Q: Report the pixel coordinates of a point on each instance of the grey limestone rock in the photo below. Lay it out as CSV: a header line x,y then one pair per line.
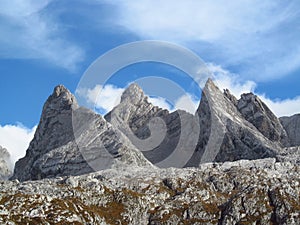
x,y
225,134
243,192
292,126
5,168
258,113
166,139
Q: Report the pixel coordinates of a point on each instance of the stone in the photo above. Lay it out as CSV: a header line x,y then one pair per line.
x,y
258,113
241,192
5,167
292,126
165,138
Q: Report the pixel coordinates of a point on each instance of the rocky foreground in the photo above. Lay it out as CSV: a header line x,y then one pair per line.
x,y
241,192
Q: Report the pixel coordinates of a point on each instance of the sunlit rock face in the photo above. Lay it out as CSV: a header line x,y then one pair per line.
x,y
5,168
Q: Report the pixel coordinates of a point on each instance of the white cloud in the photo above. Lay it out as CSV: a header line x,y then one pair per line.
x,y
285,107
28,32
227,80
16,139
257,36
102,98
187,103
160,102
105,99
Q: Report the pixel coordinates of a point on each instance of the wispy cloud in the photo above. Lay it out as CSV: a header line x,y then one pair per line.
x,y
16,139
260,39
28,31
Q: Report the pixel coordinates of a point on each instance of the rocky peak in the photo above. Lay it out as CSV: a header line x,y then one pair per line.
x,y
225,135
258,113
60,99
133,94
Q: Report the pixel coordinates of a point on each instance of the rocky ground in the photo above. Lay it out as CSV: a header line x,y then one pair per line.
x,y
241,192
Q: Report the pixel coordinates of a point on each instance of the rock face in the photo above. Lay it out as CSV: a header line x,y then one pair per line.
x,y
5,171
292,126
257,113
166,139
55,152
241,192
225,134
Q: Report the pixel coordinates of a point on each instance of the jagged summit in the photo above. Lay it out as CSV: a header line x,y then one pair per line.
x,y
61,98
133,94
225,135
59,89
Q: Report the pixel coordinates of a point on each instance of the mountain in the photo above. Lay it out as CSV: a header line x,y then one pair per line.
x,y
242,192
166,139
72,140
238,135
54,151
5,170
292,126
226,134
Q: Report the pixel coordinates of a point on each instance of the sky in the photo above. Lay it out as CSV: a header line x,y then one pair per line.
x,y
249,45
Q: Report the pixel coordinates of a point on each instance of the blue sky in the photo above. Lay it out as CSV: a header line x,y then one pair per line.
x,y
249,45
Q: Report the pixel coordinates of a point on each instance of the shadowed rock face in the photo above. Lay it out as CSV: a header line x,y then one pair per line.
x,y
292,126
54,151
257,113
5,171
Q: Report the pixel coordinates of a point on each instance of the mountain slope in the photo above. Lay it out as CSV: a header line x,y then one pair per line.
x,y
54,151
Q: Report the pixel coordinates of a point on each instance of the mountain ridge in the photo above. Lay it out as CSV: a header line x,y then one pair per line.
x,y
135,124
